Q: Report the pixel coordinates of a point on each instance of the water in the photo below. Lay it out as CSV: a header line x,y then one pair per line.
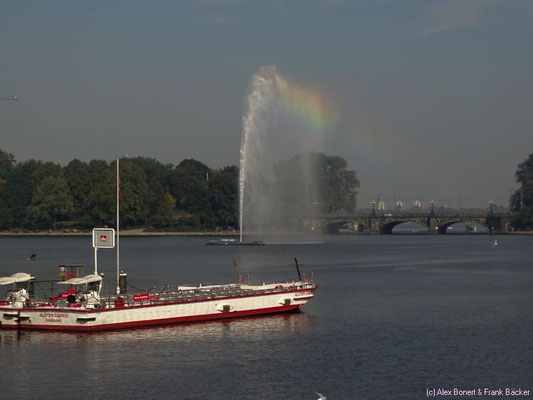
x,y
256,123
394,315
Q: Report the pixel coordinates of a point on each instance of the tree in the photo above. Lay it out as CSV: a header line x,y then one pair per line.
x,y
6,219
154,169
313,183
45,170
134,196
77,174
101,198
338,184
188,196
7,164
188,185
17,191
50,202
223,196
161,205
522,199
162,215
524,172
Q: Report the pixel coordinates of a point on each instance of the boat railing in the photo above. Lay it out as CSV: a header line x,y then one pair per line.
x,y
168,293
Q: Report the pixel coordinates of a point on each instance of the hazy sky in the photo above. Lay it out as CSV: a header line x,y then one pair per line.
x,y
433,97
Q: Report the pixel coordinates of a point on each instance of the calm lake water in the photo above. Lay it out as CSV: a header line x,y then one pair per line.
x,y
394,315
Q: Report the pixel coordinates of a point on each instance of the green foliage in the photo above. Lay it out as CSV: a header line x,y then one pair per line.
x,y
6,219
7,164
46,170
315,183
51,201
17,191
77,175
521,200
223,196
188,185
339,185
162,215
190,196
154,170
134,194
101,202
524,172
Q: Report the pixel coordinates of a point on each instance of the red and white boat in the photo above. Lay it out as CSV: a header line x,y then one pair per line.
x,y
80,306
87,310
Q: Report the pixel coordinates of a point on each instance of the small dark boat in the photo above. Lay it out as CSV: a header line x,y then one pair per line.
x,y
255,243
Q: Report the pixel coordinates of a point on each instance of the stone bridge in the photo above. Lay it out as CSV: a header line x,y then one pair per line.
x,y
385,223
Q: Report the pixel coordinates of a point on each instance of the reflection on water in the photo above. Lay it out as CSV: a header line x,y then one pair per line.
x,y
247,328
95,361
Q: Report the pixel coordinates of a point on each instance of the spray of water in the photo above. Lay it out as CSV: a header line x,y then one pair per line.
x,y
254,121
269,136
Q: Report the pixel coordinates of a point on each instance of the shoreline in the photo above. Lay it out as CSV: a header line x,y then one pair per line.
x,y
140,232
123,232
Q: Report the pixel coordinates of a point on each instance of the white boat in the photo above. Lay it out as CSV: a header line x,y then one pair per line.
x,y
85,309
82,307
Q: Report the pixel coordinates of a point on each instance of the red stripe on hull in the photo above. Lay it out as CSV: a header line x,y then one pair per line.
x,y
154,322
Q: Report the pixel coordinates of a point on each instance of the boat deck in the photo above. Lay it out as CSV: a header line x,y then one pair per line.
x,y
178,294
172,294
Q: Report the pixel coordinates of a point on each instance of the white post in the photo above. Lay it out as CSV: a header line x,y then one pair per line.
x,y
96,261
118,229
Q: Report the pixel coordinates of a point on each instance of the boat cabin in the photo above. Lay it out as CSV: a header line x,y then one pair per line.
x,y
80,292
21,287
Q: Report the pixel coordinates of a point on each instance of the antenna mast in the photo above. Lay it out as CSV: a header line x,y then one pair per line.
x,y
118,229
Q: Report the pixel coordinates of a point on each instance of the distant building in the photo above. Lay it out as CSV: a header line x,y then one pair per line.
x,y
418,204
399,205
381,205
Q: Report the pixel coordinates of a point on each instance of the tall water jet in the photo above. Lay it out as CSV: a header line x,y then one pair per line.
x,y
257,104
281,119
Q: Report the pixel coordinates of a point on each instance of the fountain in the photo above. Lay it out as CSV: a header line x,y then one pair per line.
x,y
281,119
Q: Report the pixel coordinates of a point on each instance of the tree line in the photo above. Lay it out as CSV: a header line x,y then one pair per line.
x,y
189,196
521,201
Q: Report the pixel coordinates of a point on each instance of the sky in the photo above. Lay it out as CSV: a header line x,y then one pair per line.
x,y
431,98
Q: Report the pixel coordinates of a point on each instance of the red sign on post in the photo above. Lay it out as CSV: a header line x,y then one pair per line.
x,y
103,238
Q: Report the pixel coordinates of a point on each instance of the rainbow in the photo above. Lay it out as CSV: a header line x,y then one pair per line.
x,y
300,103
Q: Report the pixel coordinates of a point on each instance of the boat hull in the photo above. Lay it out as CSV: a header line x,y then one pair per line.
x,y
72,319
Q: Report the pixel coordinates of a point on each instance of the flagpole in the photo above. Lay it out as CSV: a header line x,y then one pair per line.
x,y
118,229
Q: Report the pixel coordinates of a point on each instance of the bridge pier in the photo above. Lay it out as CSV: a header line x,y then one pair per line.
x,y
433,225
374,225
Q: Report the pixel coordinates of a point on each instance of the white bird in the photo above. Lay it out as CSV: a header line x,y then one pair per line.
x,y
320,396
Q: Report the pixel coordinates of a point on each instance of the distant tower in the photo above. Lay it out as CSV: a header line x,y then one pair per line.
x,y
418,204
381,205
399,205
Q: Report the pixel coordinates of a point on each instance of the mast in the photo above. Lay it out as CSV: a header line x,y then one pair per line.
x,y
298,269
118,228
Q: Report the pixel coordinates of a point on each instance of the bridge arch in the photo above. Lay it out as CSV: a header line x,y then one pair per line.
x,y
335,226
386,229
443,228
